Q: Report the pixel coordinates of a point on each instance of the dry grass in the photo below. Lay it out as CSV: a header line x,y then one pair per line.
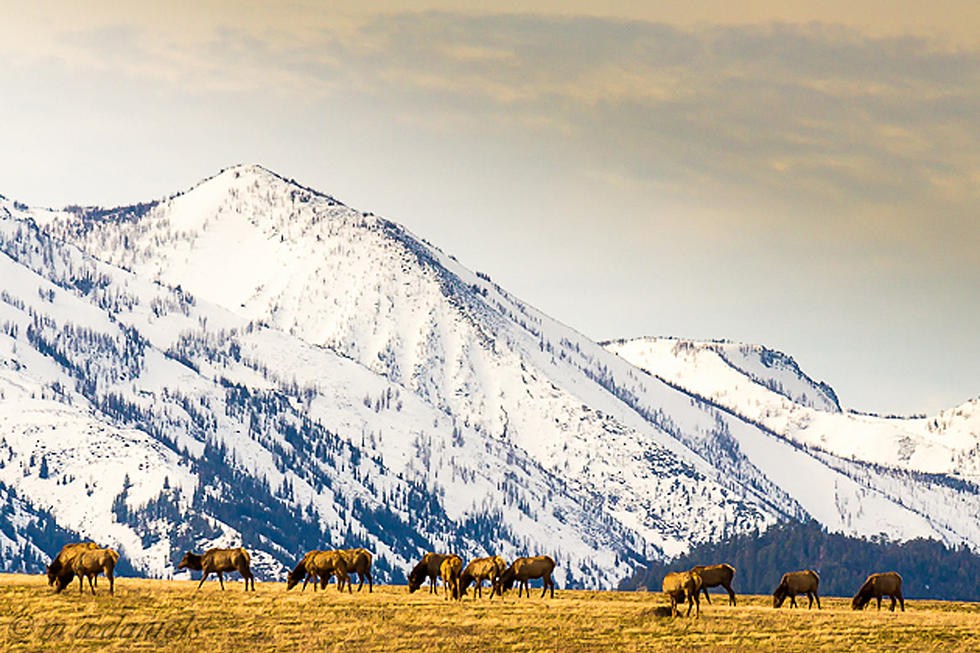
x,y
172,616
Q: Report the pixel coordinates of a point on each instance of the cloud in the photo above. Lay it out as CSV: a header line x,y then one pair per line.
x,y
794,117
795,113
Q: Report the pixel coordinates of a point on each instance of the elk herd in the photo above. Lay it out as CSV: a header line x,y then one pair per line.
x,y
88,560
688,585
501,576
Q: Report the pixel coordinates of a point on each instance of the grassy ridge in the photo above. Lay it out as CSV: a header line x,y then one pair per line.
x,y
170,615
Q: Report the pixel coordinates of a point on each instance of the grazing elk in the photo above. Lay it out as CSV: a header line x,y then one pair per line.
x,y
715,575
320,565
89,563
359,562
61,561
479,570
878,585
797,582
524,569
428,567
682,586
299,572
450,570
219,561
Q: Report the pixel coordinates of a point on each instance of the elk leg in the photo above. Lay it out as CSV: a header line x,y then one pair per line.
x,y
731,594
370,583
111,578
707,597
901,600
245,573
80,583
91,585
221,579
203,576
817,596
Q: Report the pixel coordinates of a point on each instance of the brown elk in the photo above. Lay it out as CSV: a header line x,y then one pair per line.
x,y
683,586
878,585
359,561
715,575
299,572
428,567
89,563
797,582
61,561
320,565
450,570
219,561
524,569
479,570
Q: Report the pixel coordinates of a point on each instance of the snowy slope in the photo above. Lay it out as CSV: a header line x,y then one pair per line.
x,y
197,382
291,373
364,287
947,443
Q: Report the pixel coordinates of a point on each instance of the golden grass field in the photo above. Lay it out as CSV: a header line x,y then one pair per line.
x,y
149,615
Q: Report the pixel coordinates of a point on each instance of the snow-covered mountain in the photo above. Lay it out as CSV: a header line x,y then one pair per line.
x,y
768,388
252,361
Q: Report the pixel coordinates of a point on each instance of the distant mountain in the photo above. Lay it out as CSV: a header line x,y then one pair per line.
x,y
768,388
251,361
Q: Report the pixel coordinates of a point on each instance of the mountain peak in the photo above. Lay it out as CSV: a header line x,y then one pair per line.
x,y
247,170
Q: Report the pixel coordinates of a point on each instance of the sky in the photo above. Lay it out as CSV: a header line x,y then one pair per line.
x,y
803,175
